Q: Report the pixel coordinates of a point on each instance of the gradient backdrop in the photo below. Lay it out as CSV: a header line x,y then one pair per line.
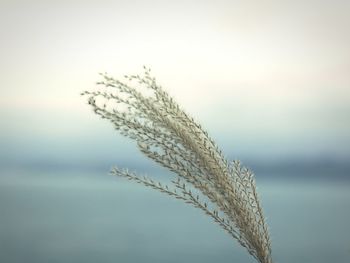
x,y
270,81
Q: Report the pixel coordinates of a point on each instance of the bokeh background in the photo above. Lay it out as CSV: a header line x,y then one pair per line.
x,y
269,80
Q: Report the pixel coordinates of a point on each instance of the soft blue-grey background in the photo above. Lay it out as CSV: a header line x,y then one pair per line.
x,y
270,81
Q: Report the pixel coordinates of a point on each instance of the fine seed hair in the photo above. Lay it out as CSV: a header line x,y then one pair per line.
x,y
140,109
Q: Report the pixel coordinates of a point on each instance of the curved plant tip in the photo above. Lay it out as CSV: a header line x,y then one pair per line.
x,y
140,109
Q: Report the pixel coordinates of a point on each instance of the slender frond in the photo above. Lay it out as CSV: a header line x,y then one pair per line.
x,y
141,110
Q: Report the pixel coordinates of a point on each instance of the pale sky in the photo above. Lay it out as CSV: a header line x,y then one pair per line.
x,y
266,77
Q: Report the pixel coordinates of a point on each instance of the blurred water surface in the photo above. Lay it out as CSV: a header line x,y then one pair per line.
x,y
76,217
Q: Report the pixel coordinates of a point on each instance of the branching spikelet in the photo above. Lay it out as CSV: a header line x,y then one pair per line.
x,y
166,134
